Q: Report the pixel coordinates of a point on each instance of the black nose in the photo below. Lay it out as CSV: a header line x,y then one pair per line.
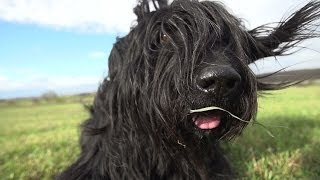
x,y
219,79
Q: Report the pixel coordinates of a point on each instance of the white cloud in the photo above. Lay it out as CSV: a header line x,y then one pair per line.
x,y
2,79
46,83
117,16
81,15
255,13
98,55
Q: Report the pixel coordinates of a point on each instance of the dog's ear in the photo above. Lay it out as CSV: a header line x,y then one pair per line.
x,y
268,40
276,41
144,7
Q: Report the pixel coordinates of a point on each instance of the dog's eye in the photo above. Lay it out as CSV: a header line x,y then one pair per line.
x,y
164,39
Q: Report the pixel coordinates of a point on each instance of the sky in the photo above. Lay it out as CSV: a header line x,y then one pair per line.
x,y
62,46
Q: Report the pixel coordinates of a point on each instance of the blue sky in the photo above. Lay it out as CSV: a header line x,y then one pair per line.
x,y
61,46
34,57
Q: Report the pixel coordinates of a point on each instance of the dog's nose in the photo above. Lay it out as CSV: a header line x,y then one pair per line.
x,y
219,79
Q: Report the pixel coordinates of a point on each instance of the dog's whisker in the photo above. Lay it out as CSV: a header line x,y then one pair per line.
x,y
212,64
180,143
225,134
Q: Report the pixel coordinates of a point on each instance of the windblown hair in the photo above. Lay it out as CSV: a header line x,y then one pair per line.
x,y
140,126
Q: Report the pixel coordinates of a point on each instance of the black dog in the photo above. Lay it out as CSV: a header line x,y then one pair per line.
x,y
179,83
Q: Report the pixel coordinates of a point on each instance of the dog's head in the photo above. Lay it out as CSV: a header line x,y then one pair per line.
x,y
182,71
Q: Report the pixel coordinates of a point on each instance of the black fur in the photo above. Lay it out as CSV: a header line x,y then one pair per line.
x,y
140,126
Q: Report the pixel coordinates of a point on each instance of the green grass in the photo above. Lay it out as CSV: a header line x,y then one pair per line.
x,y
293,117
39,137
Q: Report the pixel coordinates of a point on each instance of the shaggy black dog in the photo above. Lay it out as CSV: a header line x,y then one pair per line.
x,y
178,84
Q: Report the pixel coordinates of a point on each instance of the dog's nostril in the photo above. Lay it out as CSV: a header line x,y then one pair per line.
x,y
206,83
230,84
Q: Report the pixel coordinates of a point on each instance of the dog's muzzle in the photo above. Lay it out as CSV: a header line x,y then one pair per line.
x,y
219,86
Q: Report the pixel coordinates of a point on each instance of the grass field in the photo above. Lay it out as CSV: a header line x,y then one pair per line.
x,y
39,137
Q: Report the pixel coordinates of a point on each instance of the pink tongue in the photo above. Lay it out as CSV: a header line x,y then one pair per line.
x,y
207,122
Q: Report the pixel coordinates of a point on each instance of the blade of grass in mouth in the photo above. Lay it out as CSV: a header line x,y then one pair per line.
x,y
210,108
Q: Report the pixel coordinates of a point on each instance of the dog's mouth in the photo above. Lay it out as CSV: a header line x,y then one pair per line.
x,y
207,120
210,118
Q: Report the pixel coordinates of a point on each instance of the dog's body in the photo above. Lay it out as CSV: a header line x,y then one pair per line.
x,y
179,83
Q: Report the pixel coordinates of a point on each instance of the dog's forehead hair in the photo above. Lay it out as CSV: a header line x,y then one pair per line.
x,y
193,25
204,19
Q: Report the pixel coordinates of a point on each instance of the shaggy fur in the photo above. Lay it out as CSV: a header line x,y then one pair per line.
x,y
183,56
